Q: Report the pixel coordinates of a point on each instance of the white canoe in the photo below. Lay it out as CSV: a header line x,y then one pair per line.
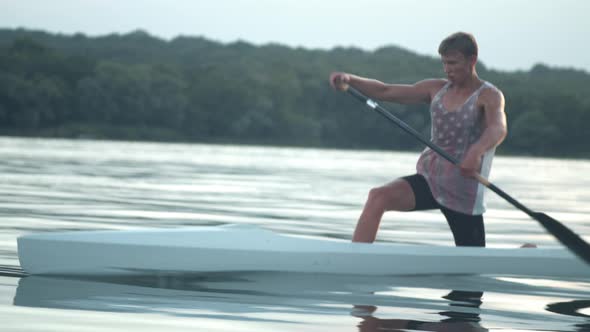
x,y
249,248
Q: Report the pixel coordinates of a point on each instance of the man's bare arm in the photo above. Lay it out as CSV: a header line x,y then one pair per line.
x,y
495,120
494,133
420,92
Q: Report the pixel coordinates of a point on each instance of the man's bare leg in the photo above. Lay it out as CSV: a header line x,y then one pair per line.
x,y
394,196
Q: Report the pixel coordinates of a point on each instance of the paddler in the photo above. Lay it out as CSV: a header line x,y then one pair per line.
x,y
468,122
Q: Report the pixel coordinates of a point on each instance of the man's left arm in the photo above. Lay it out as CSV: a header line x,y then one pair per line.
x,y
492,102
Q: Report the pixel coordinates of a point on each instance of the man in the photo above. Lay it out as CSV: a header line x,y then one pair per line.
x,y
468,122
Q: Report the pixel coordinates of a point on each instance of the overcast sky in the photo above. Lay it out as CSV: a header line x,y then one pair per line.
x,y
512,34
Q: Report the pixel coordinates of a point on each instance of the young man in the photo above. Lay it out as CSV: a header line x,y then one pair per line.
x,y
468,122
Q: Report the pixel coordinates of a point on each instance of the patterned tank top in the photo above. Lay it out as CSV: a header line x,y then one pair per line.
x,y
455,131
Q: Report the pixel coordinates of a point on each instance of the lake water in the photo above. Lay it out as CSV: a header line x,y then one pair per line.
x,y
51,185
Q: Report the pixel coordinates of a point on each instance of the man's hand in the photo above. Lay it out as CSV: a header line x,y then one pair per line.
x,y
339,80
471,163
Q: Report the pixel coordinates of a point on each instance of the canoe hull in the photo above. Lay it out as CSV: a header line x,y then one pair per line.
x,y
230,248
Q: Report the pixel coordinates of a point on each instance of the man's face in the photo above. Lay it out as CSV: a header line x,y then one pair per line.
x,y
457,66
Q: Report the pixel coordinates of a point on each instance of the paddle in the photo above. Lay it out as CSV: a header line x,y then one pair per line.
x,y
565,235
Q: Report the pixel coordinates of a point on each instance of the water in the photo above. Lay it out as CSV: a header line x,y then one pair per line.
x,y
50,185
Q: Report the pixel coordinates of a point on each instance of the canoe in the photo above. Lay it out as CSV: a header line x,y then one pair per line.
x,y
249,248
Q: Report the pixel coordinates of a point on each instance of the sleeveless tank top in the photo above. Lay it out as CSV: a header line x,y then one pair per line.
x,y
455,131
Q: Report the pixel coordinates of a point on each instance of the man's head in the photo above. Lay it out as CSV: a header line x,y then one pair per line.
x,y
459,55
461,42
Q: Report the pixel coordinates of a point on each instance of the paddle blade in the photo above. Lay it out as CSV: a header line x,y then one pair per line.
x,y
565,235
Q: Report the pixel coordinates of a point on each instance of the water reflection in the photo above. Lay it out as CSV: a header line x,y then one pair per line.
x,y
426,303
573,308
455,319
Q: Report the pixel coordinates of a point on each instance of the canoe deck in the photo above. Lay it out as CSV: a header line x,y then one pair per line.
x,y
249,248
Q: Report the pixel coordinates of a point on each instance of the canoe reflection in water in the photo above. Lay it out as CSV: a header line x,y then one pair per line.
x,y
422,303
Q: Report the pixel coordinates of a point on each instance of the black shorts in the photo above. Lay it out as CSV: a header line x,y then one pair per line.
x,y
468,230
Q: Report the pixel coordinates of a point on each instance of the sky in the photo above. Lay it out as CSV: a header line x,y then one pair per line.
x,y
512,34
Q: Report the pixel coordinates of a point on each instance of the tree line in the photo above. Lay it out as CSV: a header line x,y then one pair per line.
x,y
138,87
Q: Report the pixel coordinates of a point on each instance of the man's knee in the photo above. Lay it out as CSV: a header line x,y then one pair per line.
x,y
378,195
391,197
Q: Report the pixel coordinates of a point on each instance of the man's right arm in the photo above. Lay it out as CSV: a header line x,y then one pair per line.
x,y
420,92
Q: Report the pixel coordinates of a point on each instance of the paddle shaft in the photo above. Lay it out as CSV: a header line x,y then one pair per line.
x,y
562,233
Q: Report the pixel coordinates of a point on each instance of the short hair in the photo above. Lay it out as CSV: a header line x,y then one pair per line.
x,y
461,42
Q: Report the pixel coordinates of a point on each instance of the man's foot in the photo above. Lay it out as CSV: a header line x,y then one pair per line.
x,y
529,245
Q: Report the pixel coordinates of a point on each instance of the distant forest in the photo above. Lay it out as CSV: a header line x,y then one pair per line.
x,y
191,89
